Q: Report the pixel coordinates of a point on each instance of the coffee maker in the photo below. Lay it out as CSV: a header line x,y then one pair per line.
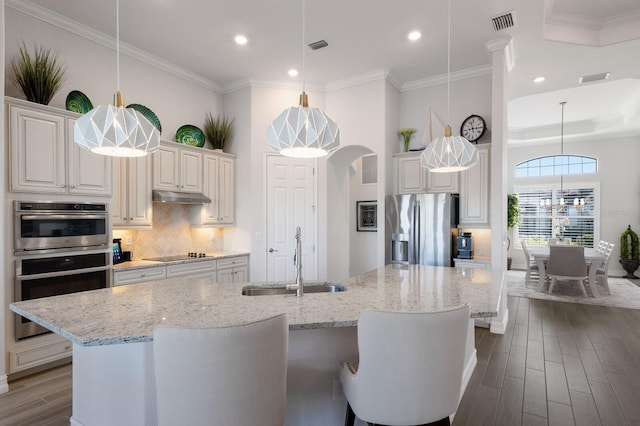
x,y
465,246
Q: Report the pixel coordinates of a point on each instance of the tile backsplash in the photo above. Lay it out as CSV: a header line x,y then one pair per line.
x,y
171,234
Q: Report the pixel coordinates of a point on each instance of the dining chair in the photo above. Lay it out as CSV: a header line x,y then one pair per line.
x,y
222,376
602,273
602,246
532,266
559,241
410,367
567,263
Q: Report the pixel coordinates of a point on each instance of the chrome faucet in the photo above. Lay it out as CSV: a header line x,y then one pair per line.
x,y
297,260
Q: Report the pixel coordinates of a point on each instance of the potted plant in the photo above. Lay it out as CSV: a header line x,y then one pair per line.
x,y
406,137
39,76
513,217
629,252
218,130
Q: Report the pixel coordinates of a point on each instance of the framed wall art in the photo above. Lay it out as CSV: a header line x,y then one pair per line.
x,y
367,212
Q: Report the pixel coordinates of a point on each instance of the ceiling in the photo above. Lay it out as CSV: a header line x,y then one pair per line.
x,y
560,39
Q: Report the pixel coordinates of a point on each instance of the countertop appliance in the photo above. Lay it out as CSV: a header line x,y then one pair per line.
x,y
465,246
421,229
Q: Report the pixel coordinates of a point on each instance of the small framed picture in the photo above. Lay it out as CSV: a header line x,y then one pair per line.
x,y
367,212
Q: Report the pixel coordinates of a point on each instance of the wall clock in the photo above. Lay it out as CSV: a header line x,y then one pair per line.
x,y
473,127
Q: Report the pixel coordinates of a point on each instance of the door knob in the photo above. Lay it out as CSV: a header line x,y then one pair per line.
x,y
272,250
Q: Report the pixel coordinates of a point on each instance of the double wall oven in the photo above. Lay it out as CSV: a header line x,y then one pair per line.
x,y
59,248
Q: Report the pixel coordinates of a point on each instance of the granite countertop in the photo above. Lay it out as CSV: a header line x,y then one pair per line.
x,y
142,263
128,313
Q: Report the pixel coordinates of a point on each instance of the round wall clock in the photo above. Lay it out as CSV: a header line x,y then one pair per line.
x,y
473,127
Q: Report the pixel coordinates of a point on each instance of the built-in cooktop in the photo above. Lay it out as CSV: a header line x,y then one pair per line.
x,y
176,257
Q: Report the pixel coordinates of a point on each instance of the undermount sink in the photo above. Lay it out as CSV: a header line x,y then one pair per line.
x,y
317,287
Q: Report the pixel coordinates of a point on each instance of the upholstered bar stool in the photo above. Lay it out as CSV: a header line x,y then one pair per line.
x,y
222,376
410,367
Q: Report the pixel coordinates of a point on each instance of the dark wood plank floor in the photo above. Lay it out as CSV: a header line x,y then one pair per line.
x,y
557,364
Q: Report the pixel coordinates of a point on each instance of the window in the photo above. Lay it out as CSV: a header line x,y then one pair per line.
x,y
557,165
538,224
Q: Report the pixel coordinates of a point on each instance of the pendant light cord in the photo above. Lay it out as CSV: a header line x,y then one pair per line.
x,y
562,145
118,45
449,65
303,55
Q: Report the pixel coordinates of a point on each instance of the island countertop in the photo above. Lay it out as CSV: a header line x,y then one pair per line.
x,y
128,313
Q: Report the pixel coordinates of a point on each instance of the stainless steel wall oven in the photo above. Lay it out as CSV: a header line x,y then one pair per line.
x,y
60,248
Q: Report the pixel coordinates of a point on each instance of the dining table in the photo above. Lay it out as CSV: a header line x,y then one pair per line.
x,y
593,257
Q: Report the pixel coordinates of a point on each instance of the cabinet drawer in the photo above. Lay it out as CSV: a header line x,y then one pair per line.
x,y
138,275
191,268
34,355
232,262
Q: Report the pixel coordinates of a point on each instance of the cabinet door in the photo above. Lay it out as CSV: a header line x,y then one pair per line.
x,y
209,212
226,202
89,173
241,275
37,151
166,165
119,201
225,276
411,177
474,192
443,182
139,200
190,171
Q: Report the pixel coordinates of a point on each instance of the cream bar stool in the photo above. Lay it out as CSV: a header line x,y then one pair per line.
x,y
410,367
222,376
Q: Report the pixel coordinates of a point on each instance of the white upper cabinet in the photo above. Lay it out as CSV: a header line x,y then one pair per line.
x,y
474,192
44,158
177,168
219,185
411,178
131,205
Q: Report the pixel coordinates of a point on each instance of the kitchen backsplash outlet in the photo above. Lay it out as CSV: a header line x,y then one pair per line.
x,y
171,234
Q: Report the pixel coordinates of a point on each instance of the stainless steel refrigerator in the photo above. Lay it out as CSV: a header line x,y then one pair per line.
x,y
421,228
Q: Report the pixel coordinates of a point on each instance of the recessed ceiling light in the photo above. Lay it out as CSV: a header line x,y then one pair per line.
x,y
241,40
539,79
292,72
414,35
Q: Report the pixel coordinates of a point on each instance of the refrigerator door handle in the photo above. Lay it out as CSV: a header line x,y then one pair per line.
x,y
416,233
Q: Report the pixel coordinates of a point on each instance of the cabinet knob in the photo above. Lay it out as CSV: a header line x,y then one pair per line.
x,y
73,186
272,250
63,186
130,218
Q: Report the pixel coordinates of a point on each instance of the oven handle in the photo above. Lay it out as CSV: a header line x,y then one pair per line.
x,y
62,216
62,273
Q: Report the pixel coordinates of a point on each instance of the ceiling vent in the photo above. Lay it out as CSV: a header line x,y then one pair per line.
x,y
318,44
594,77
504,21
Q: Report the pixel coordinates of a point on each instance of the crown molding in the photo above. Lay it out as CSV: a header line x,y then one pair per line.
x,y
442,78
246,83
383,74
89,33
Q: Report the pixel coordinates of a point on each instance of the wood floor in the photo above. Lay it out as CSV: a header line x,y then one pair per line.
x,y
557,364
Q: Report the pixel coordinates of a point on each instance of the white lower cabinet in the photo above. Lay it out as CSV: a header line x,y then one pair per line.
x,y
201,268
233,270
138,275
37,351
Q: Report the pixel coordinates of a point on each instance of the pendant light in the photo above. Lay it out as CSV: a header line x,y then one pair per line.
x,y
303,131
449,153
115,130
577,203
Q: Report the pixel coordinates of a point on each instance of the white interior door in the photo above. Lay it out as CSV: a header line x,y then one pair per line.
x,y
291,202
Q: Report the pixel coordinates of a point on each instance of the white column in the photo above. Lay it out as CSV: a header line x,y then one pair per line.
x,y
502,62
4,387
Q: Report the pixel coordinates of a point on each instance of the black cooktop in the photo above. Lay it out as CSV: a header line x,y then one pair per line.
x,y
176,257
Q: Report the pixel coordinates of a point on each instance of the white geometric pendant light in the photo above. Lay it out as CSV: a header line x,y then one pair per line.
x,y
449,153
303,131
115,130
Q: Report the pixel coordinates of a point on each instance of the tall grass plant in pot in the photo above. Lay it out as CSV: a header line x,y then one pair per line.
x,y
38,75
218,130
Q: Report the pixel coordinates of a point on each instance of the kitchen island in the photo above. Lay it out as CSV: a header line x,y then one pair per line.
x,y
111,331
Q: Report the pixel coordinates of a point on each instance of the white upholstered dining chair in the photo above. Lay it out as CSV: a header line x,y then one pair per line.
x,y
222,376
410,367
602,273
532,266
567,263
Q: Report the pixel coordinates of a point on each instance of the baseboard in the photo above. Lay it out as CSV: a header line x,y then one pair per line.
x,y
4,384
468,371
74,422
499,325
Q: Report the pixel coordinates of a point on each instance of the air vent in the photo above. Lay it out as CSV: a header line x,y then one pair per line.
x,y
504,21
594,77
318,44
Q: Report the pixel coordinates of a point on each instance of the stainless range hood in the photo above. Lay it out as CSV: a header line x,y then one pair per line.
x,y
180,197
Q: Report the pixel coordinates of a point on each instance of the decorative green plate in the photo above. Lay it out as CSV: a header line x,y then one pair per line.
x,y
78,102
190,135
148,114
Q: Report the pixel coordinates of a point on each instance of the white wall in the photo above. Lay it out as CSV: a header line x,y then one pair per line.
x,y
91,68
363,245
619,177
5,295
